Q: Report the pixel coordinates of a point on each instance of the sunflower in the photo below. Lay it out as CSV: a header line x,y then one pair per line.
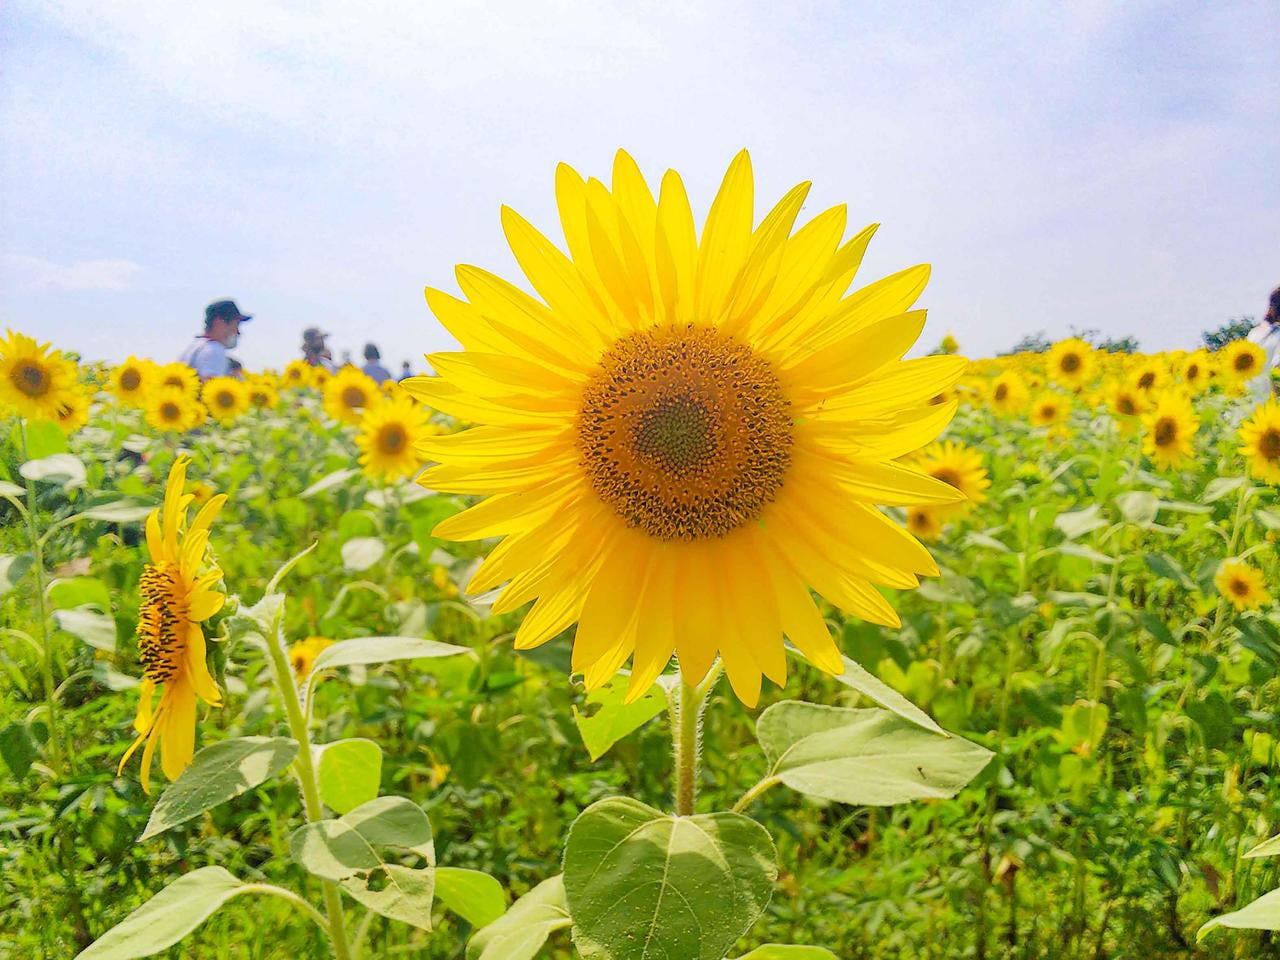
x,y
1071,362
689,432
319,377
1196,369
1127,400
132,380
924,522
180,377
958,466
35,381
226,398
1009,394
172,410
1050,409
390,431
1148,377
297,374
177,593
74,411
1241,361
1261,436
348,394
1170,424
302,655
949,344
262,393
1242,584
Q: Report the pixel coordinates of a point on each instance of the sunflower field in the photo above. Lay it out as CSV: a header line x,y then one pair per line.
x,y
677,616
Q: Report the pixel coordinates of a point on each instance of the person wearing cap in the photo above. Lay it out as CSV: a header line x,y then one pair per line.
x,y
207,353
314,350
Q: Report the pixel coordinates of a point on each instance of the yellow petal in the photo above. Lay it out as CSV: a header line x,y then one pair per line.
x,y
723,246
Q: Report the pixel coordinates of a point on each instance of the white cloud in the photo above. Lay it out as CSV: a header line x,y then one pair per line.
x,y
97,276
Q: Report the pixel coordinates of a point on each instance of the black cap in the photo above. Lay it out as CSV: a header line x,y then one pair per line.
x,y
224,310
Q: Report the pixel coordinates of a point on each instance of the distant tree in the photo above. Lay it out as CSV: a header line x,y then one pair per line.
x,y
1119,344
1233,329
1031,343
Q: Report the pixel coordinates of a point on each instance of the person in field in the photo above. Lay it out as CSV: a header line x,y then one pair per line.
x,y
1267,335
373,368
314,350
207,353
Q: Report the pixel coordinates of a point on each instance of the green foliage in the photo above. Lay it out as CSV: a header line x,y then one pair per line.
x,y
1234,329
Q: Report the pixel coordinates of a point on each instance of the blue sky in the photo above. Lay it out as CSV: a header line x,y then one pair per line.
x,y
1108,165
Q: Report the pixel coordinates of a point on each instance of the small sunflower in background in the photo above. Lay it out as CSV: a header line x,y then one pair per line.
x,y
297,374
320,376
1009,394
949,344
1196,371
959,466
73,413
924,523
1240,361
132,380
1241,583
179,377
1128,401
302,655
1071,362
1050,410
263,394
177,593
390,432
1148,377
226,398
36,381
1170,425
171,410
1260,436
348,394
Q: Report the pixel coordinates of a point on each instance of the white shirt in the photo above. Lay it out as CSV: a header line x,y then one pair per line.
x,y
1267,336
207,357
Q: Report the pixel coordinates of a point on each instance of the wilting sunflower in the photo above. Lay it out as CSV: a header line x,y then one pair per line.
x,y
1170,424
1009,394
302,655
74,411
132,380
1261,437
390,432
690,431
297,374
958,466
263,394
226,398
1241,583
169,409
177,594
1050,409
1241,361
1071,362
348,394
180,377
35,380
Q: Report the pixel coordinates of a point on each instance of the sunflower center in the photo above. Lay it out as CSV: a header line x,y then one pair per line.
x,y
1070,363
684,432
1269,444
226,400
947,476
353,397
1002,391
31,379
173,380
392,438
1193,372
1244,361
130,380
1166,431
1147,380
1239,587
170,411
1127,406
162,622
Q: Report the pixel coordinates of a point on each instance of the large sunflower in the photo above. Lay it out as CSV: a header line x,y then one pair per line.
x,y
1261,436
690,431
1170,424
132,381
177,593
35,381
390,432
348,393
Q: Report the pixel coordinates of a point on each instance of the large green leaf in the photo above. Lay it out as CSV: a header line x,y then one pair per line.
x,y
870,756
872,687
353,851
350,772
472,894
520,932
346,653
217,774
1261,914
78,592
643,885
784,951
606,717
168,916
94,627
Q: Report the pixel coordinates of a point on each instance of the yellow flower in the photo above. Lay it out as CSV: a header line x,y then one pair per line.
x,y
1195,370
1050,409
1261,437
440,577
348,394
1071,362
172,410
1148,377
298,374
1242,584
924,522
1170,424
389,433
262,393
958,466
132,380
949,344
180,377
177,594
35,381
74,411
302,655
1009,394
226,398
1129,401
689,432
1241,360
319,377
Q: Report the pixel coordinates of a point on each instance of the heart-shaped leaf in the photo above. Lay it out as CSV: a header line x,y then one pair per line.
x,y
349,772
606,717
641,884
472,894
520,932
354,851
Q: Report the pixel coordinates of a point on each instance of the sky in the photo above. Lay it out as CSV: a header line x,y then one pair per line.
x,y
1086,165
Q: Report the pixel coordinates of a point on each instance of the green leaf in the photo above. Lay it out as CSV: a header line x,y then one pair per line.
x,y
1261,914
63,468
1139,506
1165,566
642,885
217,774
520,932
78,592
167,917
1076,523
605,718
779,951
863,756
95,628
1084,553
44,438
475,896
1267,848
17,748
872,687
1219,487
334,479
347,653
12,568
361,553
121,511
350,851
8,489
350,772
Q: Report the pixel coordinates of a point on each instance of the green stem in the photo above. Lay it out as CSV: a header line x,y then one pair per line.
x,y
305,768
687,734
